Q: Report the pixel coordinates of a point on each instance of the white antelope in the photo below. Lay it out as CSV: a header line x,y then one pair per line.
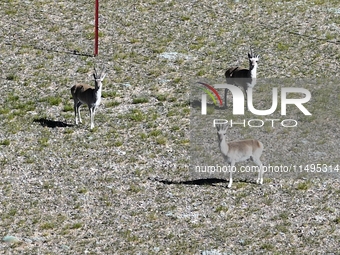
x,y
85,94
238,151
245,78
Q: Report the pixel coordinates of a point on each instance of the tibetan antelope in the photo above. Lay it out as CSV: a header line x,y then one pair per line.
x,y
238,151
245,78
85,94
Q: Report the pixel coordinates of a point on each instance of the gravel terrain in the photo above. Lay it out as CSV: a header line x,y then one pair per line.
x,y
129,186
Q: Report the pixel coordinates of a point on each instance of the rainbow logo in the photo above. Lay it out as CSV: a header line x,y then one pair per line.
x,y
208,89
208,92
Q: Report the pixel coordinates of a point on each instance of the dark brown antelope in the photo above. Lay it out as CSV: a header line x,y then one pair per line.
x,y
85,94
242,77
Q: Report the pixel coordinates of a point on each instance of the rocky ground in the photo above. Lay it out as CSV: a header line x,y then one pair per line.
x,y
129,185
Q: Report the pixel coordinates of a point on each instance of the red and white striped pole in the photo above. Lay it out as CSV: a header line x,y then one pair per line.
x,y
96,25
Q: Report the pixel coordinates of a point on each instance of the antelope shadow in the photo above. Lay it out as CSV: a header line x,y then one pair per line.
x,y
203,181
52,123
199,182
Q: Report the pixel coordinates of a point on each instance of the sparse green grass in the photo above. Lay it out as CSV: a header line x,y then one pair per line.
x,y
118,143
161,140
68,108
221,208
282,46
98,191
112,104
82,190
12,77
52,100
143,136
135,115
267,247
303,185
155,132
134,188
47,226
5,142
90,35
161,97
140,100
76,225
106,94
43,141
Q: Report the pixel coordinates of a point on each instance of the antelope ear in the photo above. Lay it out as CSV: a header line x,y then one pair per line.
x,y
249,56
102,78
94,76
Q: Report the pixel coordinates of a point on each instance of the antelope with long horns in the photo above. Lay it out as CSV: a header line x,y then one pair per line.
x,y
85,94
242,77
238,151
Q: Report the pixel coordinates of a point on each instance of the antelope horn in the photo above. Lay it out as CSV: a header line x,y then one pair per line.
x,y
95,71
103,71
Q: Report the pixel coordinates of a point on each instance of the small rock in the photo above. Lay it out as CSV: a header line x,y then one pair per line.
x,y
10,239
65,247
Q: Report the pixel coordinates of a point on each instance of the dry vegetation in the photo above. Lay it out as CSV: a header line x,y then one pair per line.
x,y
125,187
